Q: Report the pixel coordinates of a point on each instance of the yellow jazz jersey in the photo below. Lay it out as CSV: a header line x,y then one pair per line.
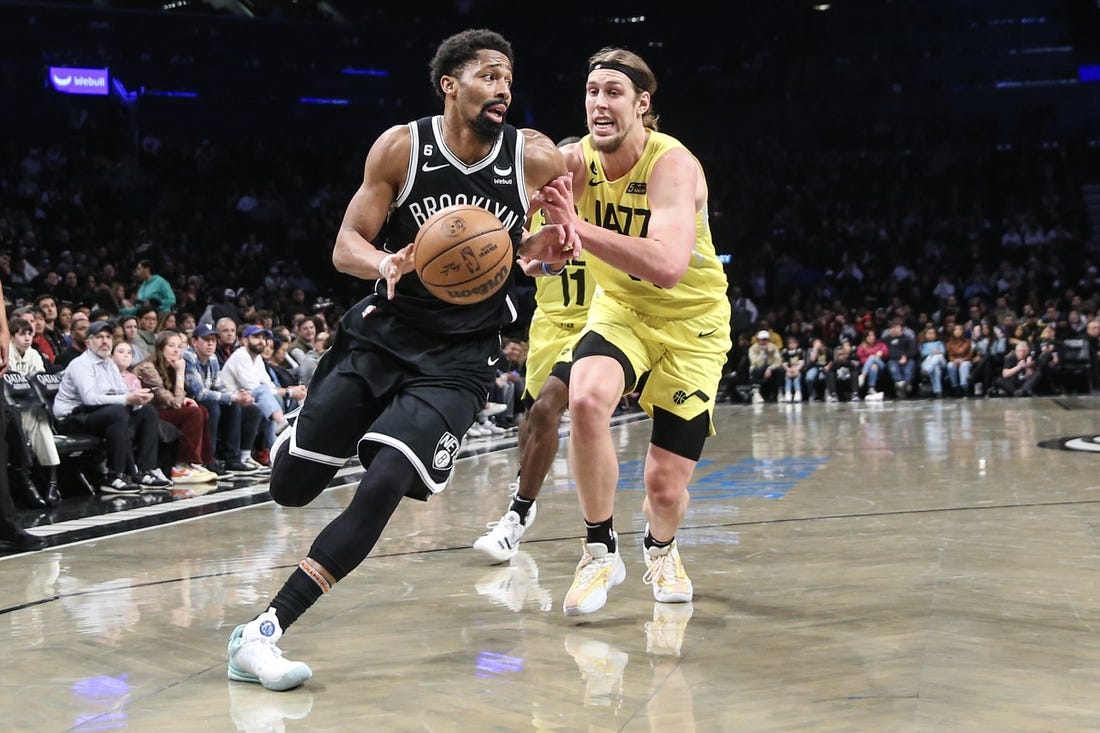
x,y
623,206
564,299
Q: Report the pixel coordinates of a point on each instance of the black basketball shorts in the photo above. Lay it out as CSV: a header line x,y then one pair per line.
x,y
384,383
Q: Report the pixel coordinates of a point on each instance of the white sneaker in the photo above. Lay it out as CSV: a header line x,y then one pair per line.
x,y
474,431
516,585
874,395
154,479
596,573
501,542
489,428
665,573
757,398
253,656
494,408
797,397
664,635
255,465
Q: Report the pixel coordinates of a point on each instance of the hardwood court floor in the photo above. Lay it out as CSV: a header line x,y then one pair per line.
x,y
922,566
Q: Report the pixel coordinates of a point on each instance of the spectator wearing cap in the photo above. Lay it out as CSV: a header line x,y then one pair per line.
x,y
765,367
234,417
152,289
93,399
245,369
222,304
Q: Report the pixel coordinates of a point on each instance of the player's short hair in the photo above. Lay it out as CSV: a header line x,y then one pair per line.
x,y
460,49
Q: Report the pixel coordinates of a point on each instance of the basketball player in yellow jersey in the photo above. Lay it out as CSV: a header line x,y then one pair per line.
x,y
562,298
661,307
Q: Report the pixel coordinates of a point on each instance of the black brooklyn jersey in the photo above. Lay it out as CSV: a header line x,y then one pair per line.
x,y
438,179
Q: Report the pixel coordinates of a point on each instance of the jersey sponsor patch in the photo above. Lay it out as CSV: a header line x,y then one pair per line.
x,y
445,451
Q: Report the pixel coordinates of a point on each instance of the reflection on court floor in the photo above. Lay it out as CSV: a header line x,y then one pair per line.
x,y
923,566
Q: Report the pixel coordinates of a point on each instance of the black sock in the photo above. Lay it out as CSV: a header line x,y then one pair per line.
x,y
601,533
649,542
296,596
521,506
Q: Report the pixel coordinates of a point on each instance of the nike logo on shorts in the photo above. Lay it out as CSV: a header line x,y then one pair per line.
x,y
429,168
492,361
707,333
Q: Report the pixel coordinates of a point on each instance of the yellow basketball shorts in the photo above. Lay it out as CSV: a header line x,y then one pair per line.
x,y
684,357
549,343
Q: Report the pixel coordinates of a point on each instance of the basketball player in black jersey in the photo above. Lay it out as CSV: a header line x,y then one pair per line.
x,y
406,373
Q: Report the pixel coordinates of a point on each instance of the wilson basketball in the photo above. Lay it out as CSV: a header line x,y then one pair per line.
x,y
463,254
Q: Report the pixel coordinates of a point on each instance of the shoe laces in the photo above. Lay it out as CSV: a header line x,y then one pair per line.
x,y
661,570
509,521
590,566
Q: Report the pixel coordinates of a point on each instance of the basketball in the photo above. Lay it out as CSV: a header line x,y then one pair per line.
x,y
463,254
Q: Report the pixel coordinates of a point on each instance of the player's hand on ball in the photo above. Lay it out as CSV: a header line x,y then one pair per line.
x,y
396,265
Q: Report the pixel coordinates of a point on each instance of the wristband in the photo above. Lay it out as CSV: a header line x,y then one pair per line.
x,y
382,265
547,271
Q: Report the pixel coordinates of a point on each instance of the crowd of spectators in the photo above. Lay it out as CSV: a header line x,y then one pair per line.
x,y
876,272
831,246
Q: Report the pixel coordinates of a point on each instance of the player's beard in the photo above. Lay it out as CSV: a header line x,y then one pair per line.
x,y
486,128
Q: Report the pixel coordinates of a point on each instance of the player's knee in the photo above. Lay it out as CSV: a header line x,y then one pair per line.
x,y
546,412
665,493
589,407
296,482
